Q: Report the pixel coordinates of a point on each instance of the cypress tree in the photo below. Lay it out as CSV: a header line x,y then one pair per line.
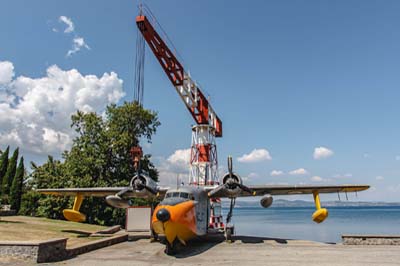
x,y
3,165
9,176
16,187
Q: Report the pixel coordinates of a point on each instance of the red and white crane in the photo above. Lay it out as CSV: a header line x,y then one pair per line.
x,y
203,159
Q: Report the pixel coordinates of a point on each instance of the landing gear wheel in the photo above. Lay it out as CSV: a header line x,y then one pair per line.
x,y
229,231
169,249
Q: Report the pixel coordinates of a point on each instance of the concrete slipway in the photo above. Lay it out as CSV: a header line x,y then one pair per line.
x,y
244,251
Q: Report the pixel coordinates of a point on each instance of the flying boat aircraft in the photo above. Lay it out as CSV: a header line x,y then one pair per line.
x,y
185,212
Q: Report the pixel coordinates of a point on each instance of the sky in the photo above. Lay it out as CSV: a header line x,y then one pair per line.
x,y
308,91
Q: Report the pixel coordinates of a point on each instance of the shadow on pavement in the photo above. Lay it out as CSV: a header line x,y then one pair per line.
x,y
201,245
78,232
11,222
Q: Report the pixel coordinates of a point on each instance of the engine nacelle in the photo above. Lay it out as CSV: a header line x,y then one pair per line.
x,y
117,202
266,201
143,186
230,182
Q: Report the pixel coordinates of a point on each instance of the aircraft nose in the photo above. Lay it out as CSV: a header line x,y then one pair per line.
x,y
163,215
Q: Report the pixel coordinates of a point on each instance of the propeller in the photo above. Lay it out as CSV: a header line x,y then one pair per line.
x,y
231,183
139,183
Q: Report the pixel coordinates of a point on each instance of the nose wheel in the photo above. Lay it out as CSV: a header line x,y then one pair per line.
x,y
171,249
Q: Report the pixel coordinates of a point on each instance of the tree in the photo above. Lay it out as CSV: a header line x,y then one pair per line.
x,y
16,187
3,165
9,176
99,157
52,174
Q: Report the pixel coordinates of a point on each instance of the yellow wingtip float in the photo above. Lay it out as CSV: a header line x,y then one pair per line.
x,y
74,215
321,213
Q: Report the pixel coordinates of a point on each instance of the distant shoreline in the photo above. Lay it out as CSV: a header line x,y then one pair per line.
x,y
303,203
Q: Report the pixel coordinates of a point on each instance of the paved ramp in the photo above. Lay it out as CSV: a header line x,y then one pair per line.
x,y
253,252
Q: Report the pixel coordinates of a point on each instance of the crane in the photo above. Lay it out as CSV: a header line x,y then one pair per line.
x,y
203,161
203,152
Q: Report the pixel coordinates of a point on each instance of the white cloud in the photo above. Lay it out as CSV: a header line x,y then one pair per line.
x,y
276,173
251,176
257,155
179,160
394,188
300,171
317,178
68,22
366,155
6,72
379,177
347,175
397,157
174,166
36,113
322,152
77,44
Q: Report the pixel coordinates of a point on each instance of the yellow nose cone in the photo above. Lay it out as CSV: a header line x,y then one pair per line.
x,y
180,225
320,215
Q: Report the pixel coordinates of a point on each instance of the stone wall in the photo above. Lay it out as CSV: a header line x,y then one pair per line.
x,y
54,249
38,251
370,240
97,244
7,212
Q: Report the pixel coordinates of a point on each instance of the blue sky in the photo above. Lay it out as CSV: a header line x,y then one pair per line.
x,y
284,76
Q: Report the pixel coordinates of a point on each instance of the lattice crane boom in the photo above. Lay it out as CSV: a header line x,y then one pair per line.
x,y
190,93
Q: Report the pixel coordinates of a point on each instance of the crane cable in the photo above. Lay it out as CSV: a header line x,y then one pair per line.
x,y
139,69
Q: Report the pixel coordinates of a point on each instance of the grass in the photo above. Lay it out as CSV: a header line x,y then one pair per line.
x,y
23,228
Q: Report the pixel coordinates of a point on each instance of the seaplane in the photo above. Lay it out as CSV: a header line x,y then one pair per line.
x,y
194,210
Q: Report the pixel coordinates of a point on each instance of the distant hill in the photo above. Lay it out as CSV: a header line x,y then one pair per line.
x,y
302,203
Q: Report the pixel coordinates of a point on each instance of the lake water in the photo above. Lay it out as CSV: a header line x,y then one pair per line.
x,y
296,222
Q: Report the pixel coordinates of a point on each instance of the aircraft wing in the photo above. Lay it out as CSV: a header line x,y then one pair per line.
x,y
305,189
260,190
94,191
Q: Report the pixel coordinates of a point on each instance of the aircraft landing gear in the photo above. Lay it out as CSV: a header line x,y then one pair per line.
x,y
229,232
171,249
230,228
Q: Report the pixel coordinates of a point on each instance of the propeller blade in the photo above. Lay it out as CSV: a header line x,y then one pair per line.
x,y
216,190
244,188
230,166
151,190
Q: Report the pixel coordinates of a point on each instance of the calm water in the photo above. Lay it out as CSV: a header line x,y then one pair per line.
x,y
296,222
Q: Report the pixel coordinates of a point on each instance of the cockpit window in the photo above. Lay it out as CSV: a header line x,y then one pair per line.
x,y
184,195
173,198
